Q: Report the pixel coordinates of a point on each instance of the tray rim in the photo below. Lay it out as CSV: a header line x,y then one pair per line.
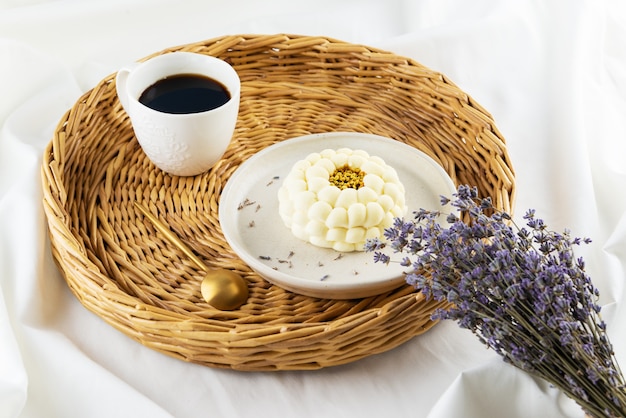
x,y
55,198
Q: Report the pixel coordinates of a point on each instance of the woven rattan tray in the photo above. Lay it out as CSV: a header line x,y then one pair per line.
x,y
119,267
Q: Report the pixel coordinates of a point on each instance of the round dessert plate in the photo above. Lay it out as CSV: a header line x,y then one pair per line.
x,y
248,214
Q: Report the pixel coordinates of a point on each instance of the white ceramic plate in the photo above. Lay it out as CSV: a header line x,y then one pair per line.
x,y
248,214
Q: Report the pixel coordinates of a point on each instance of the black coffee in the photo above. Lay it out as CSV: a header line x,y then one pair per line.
x,y
185,93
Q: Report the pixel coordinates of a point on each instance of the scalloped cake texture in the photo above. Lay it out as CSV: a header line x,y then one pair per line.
x,y
340,198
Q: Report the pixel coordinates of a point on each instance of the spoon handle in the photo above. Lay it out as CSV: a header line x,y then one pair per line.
x,y
171,237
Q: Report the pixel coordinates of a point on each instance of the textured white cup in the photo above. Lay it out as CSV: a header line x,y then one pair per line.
x,y
180,144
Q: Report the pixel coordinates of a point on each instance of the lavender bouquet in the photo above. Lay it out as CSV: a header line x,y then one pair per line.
x,y
521,291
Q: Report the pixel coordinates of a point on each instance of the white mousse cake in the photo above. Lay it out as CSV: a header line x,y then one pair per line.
x,y
340,198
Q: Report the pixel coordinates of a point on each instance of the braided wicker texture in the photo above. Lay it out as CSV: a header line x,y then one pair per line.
x,y
120,267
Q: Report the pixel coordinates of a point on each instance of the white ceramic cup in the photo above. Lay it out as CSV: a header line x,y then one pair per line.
x,y
180,144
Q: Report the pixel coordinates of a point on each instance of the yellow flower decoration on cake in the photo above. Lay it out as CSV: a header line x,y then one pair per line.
x,y
340,198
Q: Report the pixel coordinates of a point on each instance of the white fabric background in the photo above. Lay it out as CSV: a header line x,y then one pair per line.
x,y
552,73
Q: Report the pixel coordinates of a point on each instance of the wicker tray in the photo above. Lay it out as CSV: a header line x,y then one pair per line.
x,y
120,268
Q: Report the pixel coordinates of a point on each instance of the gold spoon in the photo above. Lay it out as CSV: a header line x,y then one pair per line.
x,y
223,289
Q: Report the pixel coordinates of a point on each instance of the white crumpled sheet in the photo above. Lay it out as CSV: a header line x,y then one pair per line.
x,y
552,73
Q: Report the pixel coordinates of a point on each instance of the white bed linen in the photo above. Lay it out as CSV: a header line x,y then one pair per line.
x,y
552,73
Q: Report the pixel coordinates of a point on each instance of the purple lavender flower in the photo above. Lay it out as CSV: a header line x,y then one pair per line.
x,y
520,290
